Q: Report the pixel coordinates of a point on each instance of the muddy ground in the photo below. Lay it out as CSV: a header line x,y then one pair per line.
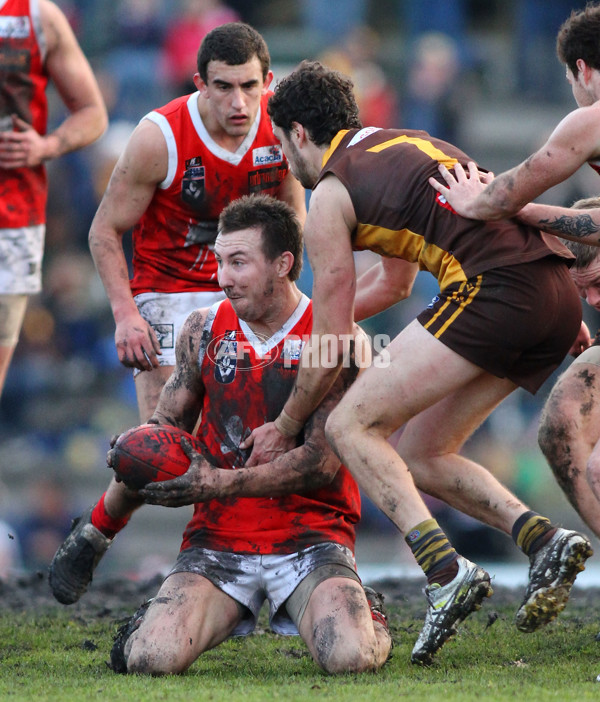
x,y
118,597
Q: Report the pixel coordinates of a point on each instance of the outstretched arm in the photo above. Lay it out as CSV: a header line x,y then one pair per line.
x,y
575,141
568,223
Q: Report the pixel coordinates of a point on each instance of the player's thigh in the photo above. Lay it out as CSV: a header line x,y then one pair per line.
x,y
414,372
444,427
337,618
148,386
188,616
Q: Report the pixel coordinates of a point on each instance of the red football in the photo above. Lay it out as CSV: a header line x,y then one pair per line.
x,y
151,453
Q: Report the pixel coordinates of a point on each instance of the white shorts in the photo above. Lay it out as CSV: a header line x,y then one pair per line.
x,y
250,580
21,252
166,313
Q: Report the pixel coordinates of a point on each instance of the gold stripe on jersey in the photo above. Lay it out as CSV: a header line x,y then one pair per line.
x,y
333,146
422,144
464,296
406,244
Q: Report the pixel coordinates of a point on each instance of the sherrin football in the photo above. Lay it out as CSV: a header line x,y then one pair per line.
x,y
151,453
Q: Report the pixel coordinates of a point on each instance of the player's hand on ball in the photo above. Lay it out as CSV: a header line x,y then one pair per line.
x,y
110,455
200,483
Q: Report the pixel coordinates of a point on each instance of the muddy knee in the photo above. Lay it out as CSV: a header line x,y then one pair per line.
x,y
555,439
148,659
337,653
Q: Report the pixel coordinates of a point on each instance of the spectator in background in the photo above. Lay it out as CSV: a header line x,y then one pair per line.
x,y
37,44
44,522
356,57
184,35
536,24
132,68
140,23
330,21
419,16
433,98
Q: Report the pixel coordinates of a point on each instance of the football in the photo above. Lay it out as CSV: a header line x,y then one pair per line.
x,y
150,453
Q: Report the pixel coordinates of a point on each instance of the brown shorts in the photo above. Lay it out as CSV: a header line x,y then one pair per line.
x,y
516,322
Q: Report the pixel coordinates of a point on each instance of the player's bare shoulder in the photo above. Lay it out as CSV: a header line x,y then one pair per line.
x,y
146,156
54,24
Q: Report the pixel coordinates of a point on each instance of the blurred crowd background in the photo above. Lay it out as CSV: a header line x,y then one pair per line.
x,y
480,73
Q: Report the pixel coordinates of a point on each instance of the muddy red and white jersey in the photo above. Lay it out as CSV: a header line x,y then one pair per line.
x,y
173,241
247,381
23,81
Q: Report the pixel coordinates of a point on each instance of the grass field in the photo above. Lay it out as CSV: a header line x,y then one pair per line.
x,y
50,652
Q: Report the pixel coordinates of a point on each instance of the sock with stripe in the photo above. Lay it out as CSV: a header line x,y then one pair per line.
x,y
531,531
433,552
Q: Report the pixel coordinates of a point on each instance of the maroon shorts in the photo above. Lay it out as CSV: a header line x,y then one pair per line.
x,y
516,322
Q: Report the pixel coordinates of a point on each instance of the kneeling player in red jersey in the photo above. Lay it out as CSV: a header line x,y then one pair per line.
x,y
283,531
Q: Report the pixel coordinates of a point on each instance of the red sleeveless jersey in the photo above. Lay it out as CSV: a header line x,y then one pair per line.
x,y
172,242
23,82
247,381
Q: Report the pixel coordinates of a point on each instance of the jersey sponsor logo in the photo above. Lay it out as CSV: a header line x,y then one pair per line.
x,y
165,334
14,27
15,60
266,178
266,155
362,134
192,182
433,302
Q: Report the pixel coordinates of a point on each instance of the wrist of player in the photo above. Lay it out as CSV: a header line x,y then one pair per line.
x,y
288,426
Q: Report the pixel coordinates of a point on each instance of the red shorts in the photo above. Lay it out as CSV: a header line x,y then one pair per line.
x,y
516,322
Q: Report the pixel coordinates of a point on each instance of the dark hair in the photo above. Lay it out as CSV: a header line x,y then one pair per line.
x,y
280,228
234,43
584,253
579,38
318,98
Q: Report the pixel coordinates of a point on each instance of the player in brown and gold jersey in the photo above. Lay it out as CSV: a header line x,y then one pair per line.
x,y
506,315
